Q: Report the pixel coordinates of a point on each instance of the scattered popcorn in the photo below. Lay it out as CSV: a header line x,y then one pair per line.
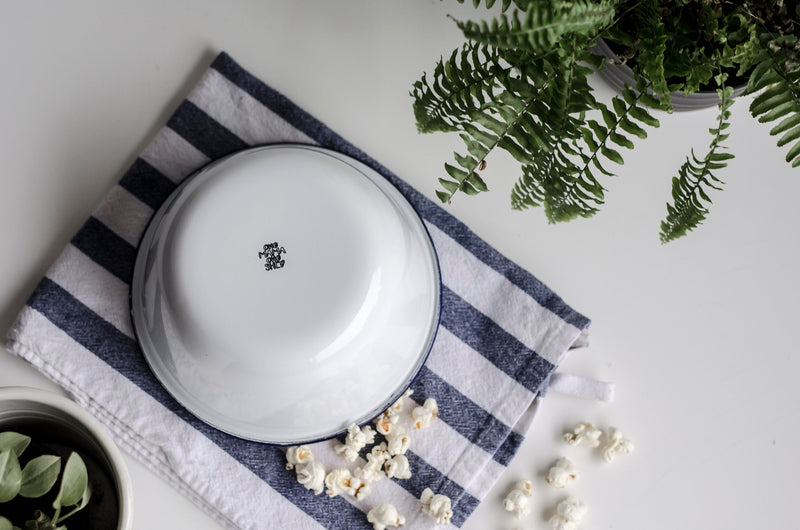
x,y
299,454
357,438
398,467
584,434
425,414
437,506
339,481
561,474
614,444
397,441
517,499
384,515
312,476
569,514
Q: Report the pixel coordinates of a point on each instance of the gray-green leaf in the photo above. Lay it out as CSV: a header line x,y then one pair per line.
x,y
39,475
75,481
5,524
14,441
10,475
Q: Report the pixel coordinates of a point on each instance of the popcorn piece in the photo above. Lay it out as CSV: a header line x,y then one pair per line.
x,y
399,403
517,500
368,473
385,422
572,508
615,443
312,476
398,467
372,471
437,506
368,435
397,441
342,480
297,455
361,489
380,452
561,474
425,414
384,515
584,434
356,439
525,486
569,514
339,481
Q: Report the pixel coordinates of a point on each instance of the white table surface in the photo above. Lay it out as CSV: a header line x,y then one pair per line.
x,y
698,335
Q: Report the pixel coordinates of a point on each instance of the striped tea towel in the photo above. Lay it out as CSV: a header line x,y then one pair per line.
x,y
502,334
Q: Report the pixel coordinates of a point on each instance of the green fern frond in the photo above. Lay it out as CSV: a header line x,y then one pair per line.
x,y
652,47
696,177
564,193
505,122
528,191
541,25
459,86
552,179
576,190
779,100
629,118
488,3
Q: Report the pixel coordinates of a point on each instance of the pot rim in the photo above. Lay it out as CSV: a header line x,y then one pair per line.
x,y
618,74
95,429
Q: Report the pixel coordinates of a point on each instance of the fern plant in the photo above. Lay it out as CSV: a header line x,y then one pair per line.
x,y
520,84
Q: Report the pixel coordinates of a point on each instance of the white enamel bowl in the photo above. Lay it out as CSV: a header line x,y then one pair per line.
x,y
285,292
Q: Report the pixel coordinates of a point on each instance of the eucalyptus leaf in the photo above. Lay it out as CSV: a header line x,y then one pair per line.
x,y
10,475
75,481
39,475
14,441
5,524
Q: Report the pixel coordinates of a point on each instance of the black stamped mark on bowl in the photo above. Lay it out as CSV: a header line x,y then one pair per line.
x,y
271,254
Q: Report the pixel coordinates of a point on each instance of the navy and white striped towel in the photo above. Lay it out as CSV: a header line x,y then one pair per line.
x,y
502,334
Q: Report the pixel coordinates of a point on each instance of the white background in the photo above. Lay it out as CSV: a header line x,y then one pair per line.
x,y
698,335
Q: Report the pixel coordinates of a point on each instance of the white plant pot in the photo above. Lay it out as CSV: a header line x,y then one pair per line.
x,y
42,414
618,74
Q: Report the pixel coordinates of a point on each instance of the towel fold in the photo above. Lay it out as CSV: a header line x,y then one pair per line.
x,y
502,334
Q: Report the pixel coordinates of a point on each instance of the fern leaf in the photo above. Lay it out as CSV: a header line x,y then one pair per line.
x,y
528,190
778,99
459,86
552,179
653,46
487,131
689,189
501,116
596,137
488,3
541,25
